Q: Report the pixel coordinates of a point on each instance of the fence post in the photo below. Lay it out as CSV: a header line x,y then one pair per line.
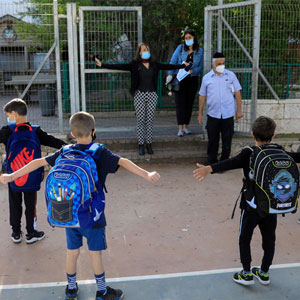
x,y
255,55
58,70
220,2
73,57
207,40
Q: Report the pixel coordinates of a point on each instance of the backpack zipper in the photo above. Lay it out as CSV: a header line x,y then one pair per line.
x,y
86,174
85,162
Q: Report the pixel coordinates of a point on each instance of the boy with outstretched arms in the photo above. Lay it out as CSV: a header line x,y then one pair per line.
x,y
82,128
16,112
263,131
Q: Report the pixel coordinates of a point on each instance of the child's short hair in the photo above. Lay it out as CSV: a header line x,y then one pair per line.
x,y
82,124
17,105
263,129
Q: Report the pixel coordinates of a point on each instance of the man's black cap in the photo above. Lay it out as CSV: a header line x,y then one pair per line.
x,y
219,55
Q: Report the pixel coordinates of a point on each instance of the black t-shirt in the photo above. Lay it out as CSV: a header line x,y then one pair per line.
x,y
45,138
106,162
190,57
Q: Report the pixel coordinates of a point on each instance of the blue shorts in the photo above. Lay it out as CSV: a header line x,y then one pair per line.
x,y
96,240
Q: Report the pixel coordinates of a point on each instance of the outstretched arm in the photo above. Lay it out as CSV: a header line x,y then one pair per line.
x,y
33,165
133,168
123,67
202,171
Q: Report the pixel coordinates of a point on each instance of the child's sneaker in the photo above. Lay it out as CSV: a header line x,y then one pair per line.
x,y
244,279
71,294
34,236
262,278
16,237
111,294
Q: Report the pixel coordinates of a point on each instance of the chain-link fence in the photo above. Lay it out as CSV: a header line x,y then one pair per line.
x,y
27,52
28,34
279,57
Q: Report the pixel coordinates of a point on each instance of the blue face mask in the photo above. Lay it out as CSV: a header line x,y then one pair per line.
x,y
11,122
145,55
189,42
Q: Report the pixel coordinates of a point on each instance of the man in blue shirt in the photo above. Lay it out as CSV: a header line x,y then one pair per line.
x,y
220,89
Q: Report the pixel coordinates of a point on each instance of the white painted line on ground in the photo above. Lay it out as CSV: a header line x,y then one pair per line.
x,y
137,278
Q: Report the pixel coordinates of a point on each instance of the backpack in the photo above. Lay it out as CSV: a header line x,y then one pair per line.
x,y
22,147
74,195
275,178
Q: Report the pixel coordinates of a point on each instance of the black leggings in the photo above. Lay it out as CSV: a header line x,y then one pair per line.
x,y
185,98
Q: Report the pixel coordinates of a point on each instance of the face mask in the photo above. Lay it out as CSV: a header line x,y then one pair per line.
x,y
145,55
11,122
220,69
189,42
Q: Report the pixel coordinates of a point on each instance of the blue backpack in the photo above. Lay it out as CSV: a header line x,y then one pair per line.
x,y
22,147
74,195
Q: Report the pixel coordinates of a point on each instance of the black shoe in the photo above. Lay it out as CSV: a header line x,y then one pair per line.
x,y
149,149
141,150
16,237
262,278
243,279
111,294
71,294
34,237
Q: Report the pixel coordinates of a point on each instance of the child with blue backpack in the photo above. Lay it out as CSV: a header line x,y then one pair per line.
x,y
86,218
23,144
270,187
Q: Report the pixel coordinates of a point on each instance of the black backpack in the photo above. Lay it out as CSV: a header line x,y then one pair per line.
x,y
275,178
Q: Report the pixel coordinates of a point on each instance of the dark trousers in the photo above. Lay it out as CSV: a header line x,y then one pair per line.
x,y
214,128
185,98
15,209
267,226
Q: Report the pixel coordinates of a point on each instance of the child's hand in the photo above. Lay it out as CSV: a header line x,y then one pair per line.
x,y
153,176
6,178
201,173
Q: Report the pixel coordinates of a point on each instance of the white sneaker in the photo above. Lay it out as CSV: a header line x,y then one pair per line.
x,y
180,134
186,131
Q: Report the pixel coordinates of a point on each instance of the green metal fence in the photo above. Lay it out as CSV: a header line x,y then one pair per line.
x,y
113,83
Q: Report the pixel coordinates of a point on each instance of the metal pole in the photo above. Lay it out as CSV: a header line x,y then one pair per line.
x,y
75,53
140,25
220,2
82,62
58,71
71,58
255,63
38,70
207,41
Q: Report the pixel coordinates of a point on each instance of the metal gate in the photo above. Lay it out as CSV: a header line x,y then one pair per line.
x,y
234,29
113,33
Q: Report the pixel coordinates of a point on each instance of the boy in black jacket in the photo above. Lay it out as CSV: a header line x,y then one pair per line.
x,y
16,112
263,130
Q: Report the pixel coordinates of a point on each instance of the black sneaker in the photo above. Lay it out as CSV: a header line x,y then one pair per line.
x,y
71,294
262,278
243,279
111,294
16,237
34,236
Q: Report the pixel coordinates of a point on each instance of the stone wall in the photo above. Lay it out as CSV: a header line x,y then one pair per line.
x,y
286,113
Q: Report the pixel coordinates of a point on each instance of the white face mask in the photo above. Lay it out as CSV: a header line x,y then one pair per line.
x,y
220,69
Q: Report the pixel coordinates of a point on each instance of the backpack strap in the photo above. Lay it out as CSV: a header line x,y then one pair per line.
x,y
94,147
67,148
